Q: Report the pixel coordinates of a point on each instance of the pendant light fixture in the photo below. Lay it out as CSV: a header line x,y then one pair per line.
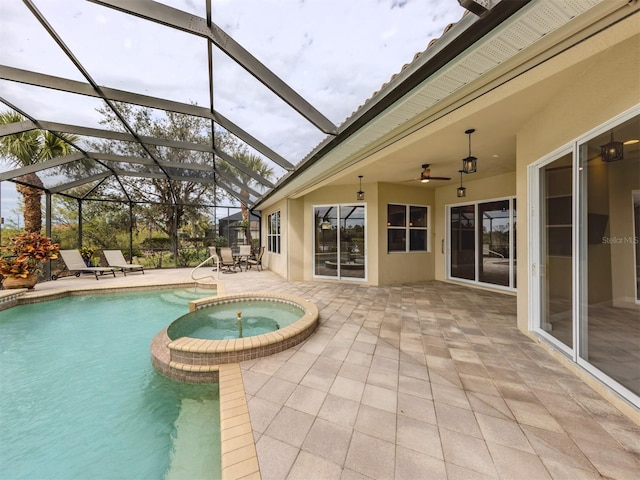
x,y
360,195
462,191
612,151
469,164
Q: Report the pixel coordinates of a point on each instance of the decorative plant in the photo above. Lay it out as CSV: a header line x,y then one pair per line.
x,y
87,253
25,254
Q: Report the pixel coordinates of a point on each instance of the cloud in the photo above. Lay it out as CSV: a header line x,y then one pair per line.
x,y
334,53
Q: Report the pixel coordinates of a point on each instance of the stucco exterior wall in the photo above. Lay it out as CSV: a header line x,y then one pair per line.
x,y
277,262
397,267
293,248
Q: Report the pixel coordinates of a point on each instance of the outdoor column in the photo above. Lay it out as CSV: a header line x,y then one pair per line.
x,y
79,223
130,231
47,230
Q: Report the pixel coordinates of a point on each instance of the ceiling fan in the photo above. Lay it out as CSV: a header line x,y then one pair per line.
x,y
425,175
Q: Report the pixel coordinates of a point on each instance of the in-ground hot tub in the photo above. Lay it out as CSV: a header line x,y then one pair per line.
x,y
192,347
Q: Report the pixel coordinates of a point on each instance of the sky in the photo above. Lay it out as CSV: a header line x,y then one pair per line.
x,y
334,53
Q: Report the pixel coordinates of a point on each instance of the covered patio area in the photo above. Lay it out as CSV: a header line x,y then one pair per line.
x,y
404,381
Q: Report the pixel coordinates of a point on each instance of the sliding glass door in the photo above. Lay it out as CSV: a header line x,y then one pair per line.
x,y
481,242
609,312
339,241
584,250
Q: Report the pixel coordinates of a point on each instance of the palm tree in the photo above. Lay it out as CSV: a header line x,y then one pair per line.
x,y
255,163
27,148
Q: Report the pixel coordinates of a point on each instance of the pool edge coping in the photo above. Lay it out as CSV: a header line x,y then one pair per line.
x,y
239,458
308,320
22,296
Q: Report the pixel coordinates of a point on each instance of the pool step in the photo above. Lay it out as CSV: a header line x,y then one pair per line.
x,y
178,298
190,373
197,429
187,367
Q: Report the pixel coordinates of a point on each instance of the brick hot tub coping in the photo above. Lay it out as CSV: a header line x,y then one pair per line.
x,y
197,360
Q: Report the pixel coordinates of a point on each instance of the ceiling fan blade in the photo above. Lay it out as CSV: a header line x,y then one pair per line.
x,y
439,178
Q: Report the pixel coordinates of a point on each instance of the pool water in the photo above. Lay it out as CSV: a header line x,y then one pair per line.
x,y
220,322
80,399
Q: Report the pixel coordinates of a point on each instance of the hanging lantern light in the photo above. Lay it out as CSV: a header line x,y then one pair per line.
x,y
360,194
612,151
470,164
462,191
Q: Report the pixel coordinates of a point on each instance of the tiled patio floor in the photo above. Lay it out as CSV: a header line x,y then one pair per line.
x,y
425,381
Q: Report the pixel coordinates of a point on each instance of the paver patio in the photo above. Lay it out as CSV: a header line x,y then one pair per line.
x,y
431,380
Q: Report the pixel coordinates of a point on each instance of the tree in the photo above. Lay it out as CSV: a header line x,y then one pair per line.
x,y
257,164
26,148
164,203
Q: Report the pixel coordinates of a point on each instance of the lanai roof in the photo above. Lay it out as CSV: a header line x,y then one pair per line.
x,y
93,167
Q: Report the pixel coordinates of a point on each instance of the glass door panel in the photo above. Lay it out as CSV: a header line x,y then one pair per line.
x,y
326,241
352,234
610,316
636,231
463,242
556,285
494,238
514,250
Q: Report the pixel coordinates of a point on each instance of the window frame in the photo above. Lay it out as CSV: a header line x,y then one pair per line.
x,y
408,228
274,238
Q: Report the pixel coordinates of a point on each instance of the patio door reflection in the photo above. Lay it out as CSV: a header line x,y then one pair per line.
x,y
339,241
609,314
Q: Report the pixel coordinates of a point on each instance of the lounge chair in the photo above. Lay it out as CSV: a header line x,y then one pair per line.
x,y
116,260
226,259
75,264
257,261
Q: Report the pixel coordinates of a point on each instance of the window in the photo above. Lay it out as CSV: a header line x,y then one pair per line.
x,y
273,232
407,228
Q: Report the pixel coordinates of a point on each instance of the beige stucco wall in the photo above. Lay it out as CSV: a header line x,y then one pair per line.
x,y
607,83
406,267
499,186
342,195
294,246
277,262
382,268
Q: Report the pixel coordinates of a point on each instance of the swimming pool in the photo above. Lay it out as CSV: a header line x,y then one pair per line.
x,y
80,398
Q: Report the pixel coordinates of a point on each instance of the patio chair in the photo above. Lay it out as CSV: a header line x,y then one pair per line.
x,y
116,259
75,264
243,256
226,259
257,261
